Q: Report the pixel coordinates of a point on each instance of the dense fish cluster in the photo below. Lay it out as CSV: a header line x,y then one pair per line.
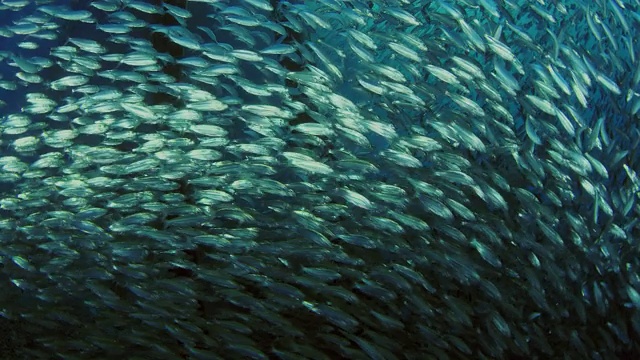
x,y
254,179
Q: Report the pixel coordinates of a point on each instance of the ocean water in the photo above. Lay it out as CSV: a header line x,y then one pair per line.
x,y
253,179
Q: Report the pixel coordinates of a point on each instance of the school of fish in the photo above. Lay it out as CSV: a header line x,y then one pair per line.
x,y
324,179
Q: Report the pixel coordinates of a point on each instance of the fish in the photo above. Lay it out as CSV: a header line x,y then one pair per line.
x,y
319,179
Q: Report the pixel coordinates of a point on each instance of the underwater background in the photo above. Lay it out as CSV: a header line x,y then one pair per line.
x,y
255,179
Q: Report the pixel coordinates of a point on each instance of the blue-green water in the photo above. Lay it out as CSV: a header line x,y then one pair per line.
x,y
319,180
